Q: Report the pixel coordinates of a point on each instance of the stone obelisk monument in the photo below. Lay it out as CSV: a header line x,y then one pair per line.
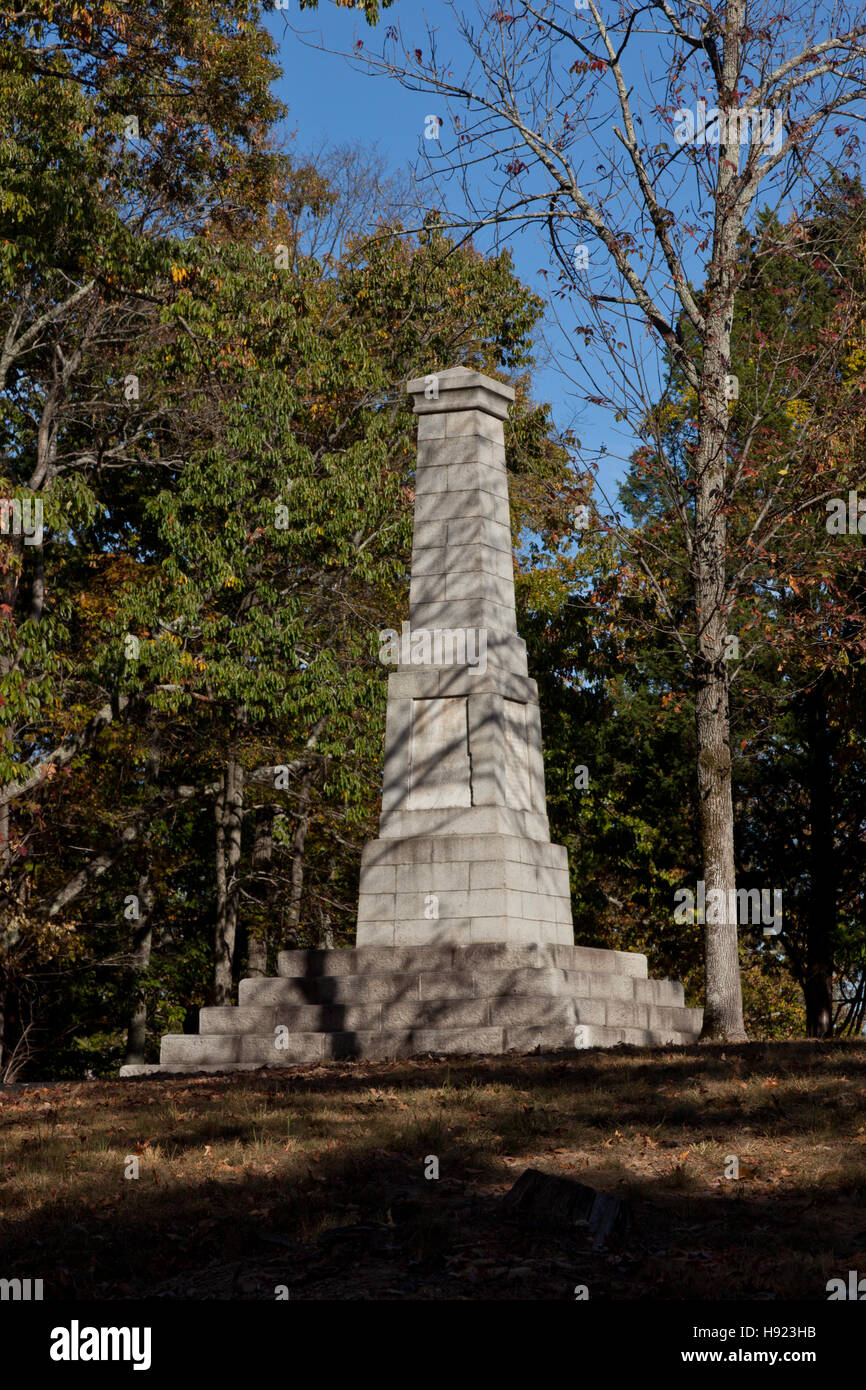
x,y
464,853
465,941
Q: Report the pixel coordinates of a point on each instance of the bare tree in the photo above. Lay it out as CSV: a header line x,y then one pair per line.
x,y
636,144
363,194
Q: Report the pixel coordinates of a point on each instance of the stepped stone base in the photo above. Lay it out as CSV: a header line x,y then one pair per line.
x,y
387,1002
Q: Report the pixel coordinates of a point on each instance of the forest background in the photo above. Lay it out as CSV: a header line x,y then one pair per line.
x,y
205,341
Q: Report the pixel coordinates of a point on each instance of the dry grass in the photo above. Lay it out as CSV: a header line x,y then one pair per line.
x,y
314,1178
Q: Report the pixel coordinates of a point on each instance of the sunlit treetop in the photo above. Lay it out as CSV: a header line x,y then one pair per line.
x,y
369,8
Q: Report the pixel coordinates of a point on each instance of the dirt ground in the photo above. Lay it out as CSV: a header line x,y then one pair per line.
x,y
311,1180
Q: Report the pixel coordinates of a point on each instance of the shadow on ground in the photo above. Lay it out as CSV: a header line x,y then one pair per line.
x,y
313,1179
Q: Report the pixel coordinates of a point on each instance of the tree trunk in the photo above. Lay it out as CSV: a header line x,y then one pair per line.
x,y
142,940
4,862
818,984
263,850
293,916
723,1005
229,817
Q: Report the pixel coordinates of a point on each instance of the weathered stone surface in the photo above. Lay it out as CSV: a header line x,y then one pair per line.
x,y
463,739
451,1032
379,1002
464,940
468,820
658,992
384,1044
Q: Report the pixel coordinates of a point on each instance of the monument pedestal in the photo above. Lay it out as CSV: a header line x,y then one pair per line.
x,y
455,890
380,1002
464,853
465,940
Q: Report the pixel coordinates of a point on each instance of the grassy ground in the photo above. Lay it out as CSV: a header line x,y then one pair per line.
x,y
314,1178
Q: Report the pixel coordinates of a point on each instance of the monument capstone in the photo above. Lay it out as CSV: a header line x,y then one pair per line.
x,y
464,940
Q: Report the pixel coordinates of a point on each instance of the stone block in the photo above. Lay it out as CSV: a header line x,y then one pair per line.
x,y
234,1020
553,882
297,1018
376,934
468,407
476,847
616,1037
458,1040
535,757
492,929
450,905
428,588
431,427
475,531
597,960
437,1013
451,506
460,450
496,394
591,1011
620,1014
578,985
488,508
477,614
365,960
474,424
379,1046
524,980
659,992
296,1048
409,683
428,535
431,560
419,931
607,985
477,476
363,989
563,911
194,1047
438,877
380,878
553,1038
534,1012
488,957
406,851
466,680
451,984
541,853
466,820
671,1017
538,905
376,907
431,477
488,874
463,559
183,1068
468,585
426,682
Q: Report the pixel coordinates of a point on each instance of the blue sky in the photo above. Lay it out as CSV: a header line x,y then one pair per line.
x,y
334,100
328,98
